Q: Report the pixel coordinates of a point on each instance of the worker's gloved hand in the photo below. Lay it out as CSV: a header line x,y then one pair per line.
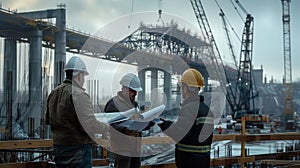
x,y
165,124
151,124
131,132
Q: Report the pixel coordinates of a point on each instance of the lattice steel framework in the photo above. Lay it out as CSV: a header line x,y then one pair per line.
x,y
288,96
168,40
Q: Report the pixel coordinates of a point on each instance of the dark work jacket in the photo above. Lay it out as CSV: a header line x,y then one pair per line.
x,y
193,128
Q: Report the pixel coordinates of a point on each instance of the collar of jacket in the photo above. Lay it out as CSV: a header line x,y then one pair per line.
x,y
73,83
127,100
191,99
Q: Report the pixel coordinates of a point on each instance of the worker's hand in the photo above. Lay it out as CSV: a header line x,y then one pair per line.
x,y
131,132
105,131
165,124
150,124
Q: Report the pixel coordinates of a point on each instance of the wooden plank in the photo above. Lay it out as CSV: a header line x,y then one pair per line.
x,y
167,165
96,162
231,160
17,144
222,137
281,162
277,156
26,165
157,140
277,136
100,162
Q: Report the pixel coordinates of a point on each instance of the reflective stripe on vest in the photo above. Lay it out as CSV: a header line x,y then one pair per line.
x,y
204,120
193,148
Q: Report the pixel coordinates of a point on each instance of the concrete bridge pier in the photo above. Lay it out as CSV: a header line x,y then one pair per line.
x,y
142,94
9,83
158,96
59,37
168,89
35,77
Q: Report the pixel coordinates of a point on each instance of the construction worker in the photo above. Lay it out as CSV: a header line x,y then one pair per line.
x,y
70,116
220,130
125,143
193,129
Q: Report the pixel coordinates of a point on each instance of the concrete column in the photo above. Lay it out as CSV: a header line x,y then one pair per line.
x,y
205,83
60,47
59,38
10,62
154,79
35,77
9,82
141,95
35,70
178,97
167,89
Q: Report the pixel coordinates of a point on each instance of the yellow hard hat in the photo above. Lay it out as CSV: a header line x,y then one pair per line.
x,y
192,77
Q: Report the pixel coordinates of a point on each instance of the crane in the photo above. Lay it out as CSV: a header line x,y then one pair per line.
x,y
244,81
214,51
288,96
240,95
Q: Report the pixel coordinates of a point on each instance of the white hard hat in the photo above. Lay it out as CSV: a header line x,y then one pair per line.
x,y
131,81
76,64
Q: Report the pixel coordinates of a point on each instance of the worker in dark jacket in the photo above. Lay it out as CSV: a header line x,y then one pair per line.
x,y
193,129
125,143
70,116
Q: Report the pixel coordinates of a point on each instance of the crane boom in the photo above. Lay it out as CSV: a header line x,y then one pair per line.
x,y
228,39
225,84
288,96
245,81
213,50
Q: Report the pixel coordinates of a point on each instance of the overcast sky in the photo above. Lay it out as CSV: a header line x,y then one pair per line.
x,y
92,15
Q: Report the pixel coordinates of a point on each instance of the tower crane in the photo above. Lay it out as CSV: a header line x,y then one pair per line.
x,y
288,96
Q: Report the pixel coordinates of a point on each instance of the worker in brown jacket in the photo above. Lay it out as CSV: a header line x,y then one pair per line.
x,y
125,143
70,116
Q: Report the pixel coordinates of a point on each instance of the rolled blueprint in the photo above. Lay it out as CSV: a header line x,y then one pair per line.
x,y
113,117
151,114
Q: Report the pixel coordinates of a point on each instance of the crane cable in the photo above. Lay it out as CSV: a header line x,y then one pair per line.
x,y
237,11
227,33
160,12
230,25
131,12
159,9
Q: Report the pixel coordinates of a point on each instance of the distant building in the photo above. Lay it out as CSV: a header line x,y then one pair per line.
x,y
258,77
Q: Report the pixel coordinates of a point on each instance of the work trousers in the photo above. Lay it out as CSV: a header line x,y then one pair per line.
x,y
77,156
192,159
127,162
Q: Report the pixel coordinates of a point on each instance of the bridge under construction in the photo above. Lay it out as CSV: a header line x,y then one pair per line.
x,y
31,70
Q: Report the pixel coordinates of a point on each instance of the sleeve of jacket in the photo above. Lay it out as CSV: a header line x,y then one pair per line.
x,y
47,113
183,124
111,107
86,115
